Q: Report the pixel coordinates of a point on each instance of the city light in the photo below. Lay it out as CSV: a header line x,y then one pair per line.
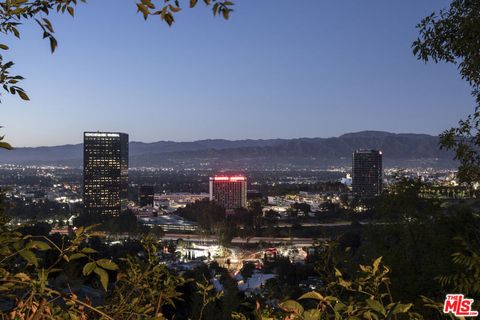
x,y
225,178
101,134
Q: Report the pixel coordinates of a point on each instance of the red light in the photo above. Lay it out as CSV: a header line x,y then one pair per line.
x,y
232,179
220,178
237,178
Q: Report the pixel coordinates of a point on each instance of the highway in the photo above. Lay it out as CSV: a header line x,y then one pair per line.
x,y
238,240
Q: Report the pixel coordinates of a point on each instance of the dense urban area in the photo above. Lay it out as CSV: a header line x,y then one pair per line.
x,y
265,236
240,211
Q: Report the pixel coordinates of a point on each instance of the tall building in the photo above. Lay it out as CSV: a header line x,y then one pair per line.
x,y
367,174
229,192
105,172
145,195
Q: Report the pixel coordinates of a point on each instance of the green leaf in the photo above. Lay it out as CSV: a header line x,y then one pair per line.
x,y
173,8
292,306
5,145
29,256
77,255
16,33
71,11
369,315
376,306
40,245
53,44
344,283
376,264
3,47
103,275
79,231
339,306
89,250
226,14
48,24
312,295
402,308
23,95
148,3
337,273
365,269
215,8
88,268
107,264
332,299
143,9
169,19
312,314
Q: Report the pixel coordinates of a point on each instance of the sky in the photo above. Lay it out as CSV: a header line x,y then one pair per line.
x,y
276,69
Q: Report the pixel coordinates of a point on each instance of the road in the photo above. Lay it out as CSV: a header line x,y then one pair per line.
x,y
237,240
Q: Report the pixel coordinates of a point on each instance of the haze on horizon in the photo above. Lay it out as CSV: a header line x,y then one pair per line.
x,y
276,69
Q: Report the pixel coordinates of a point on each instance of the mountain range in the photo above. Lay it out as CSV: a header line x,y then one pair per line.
x,y
404,149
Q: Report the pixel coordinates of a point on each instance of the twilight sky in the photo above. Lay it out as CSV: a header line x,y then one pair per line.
x,y
276,69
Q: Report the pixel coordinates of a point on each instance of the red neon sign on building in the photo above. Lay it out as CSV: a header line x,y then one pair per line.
x,y
231,179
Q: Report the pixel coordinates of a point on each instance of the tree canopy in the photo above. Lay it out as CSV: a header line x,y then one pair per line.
x,y
453,36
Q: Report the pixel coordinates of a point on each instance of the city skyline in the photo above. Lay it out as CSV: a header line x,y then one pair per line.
x,y
284,73
271,159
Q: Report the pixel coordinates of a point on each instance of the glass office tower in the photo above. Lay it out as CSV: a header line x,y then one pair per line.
x,y
367,174
105,172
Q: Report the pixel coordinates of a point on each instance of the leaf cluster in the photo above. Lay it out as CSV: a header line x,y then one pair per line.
x,y
367,296
168,8
14,13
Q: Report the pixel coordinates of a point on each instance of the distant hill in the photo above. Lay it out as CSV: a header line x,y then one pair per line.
x,y
407,150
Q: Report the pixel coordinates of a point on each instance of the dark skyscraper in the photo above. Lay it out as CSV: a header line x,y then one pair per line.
x,y
367,174
105,172
145,195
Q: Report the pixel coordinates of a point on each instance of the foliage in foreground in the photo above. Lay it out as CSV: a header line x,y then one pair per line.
x,y
452,36
367,296
40,279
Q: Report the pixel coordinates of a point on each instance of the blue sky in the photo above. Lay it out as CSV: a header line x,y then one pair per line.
x,y
276,69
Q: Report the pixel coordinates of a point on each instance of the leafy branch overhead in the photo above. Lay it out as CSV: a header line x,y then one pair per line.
x,y
14,13
453,36
169,7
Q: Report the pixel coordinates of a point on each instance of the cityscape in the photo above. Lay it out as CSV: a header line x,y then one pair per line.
x,y
243,221
289,177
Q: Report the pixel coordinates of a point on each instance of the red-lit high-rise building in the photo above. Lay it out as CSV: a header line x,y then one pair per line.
x,y
229,192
